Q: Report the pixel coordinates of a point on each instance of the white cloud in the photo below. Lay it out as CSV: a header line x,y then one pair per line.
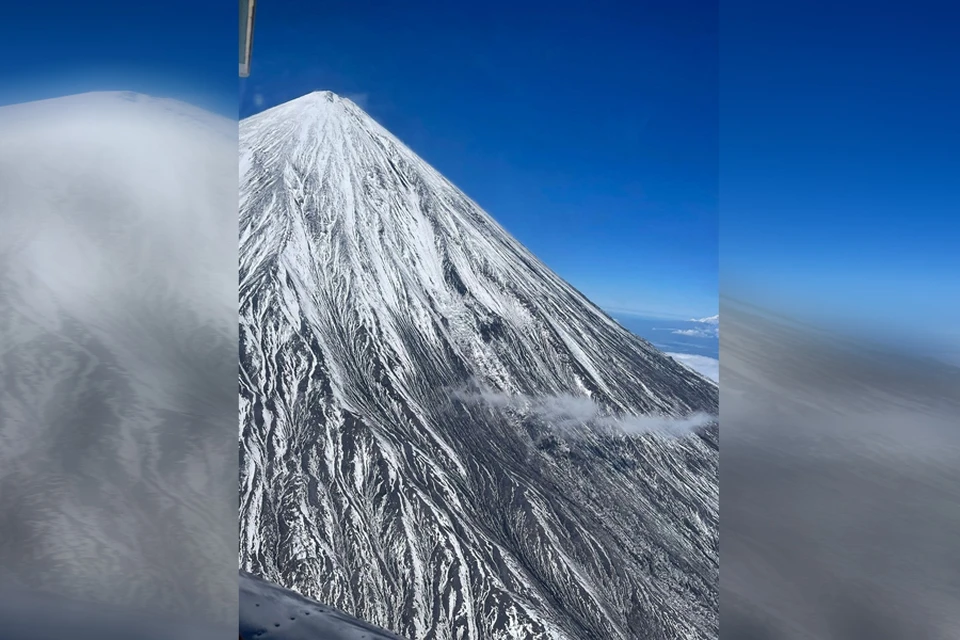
x,y
704,365
709,332
568,412
710,328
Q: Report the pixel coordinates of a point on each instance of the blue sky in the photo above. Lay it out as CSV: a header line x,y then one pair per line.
x,y
180,49
590,130
840,160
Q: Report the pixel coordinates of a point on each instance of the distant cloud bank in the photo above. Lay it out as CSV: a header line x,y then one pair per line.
x,y
706,366
710,328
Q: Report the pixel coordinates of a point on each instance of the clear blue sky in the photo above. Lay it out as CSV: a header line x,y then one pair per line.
x,y
175,48
588,129
840,158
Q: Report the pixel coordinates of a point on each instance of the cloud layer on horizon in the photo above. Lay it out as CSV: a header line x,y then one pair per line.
x,y
704,365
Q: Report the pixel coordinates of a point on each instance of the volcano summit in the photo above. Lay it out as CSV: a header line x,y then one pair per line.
x,y
438,434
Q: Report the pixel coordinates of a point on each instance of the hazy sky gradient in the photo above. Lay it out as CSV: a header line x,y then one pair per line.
x,y
177,49
839,160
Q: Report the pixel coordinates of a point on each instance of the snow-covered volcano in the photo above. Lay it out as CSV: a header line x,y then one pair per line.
x,y
438,434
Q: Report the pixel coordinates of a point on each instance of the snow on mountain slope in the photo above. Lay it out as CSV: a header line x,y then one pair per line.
x,y
383,315
117,334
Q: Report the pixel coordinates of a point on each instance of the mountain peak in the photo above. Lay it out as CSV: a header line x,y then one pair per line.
x,y
315,98
325,94
320,98
409,370
319,107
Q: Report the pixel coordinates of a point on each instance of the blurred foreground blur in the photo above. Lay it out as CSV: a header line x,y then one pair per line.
x,y
840,485
118,356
